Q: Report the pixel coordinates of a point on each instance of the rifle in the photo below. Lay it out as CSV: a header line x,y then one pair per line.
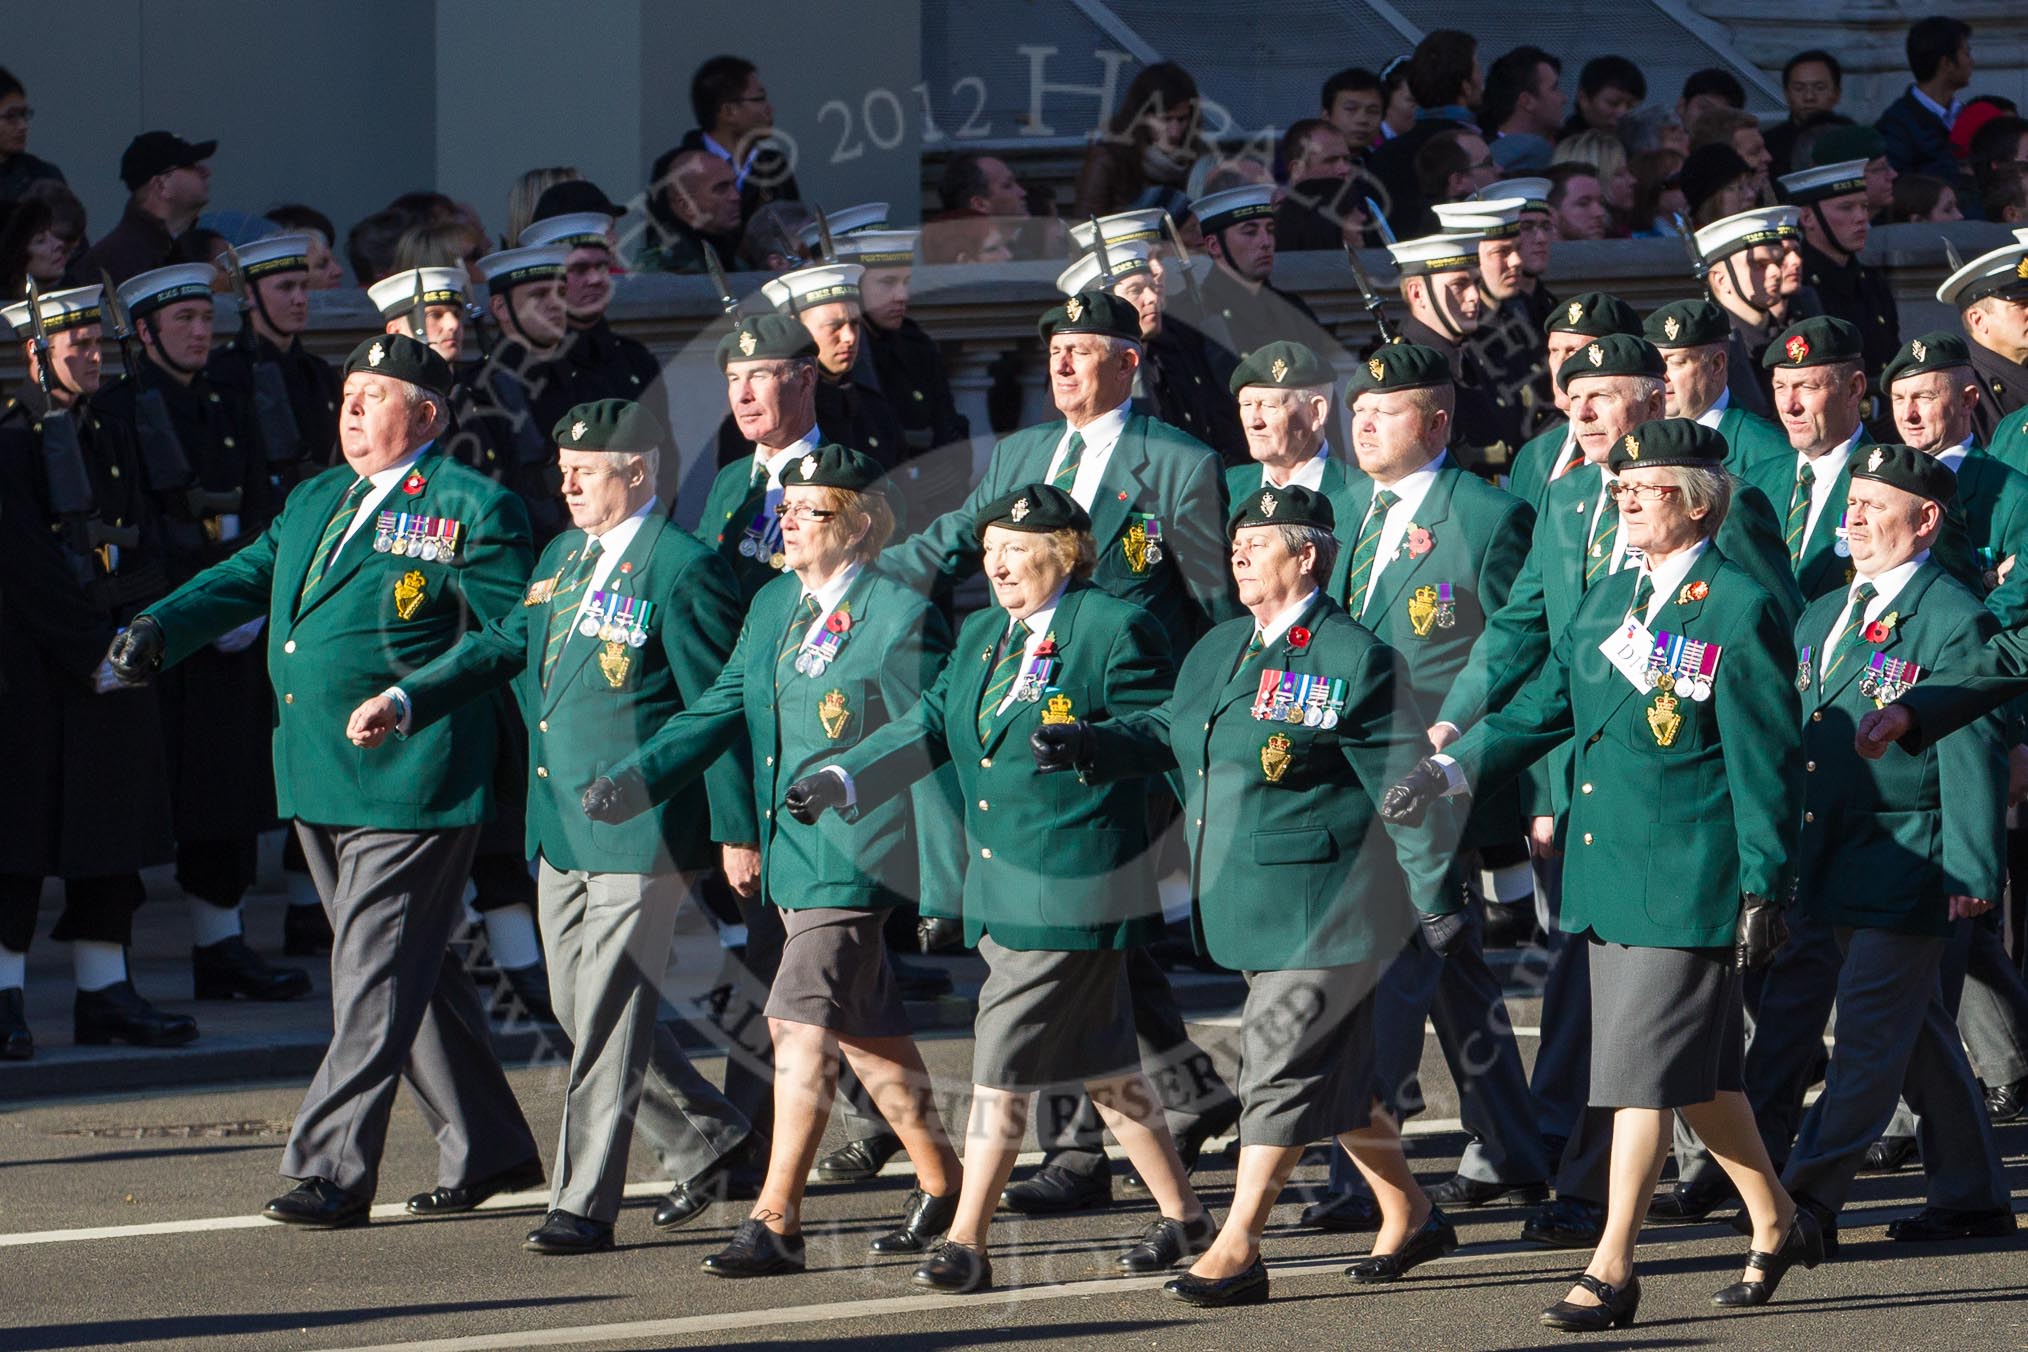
x,y
1380,222
63,466
1368,297
717,271
162,455
1698,267
418,312
1098,246
274,415
829,245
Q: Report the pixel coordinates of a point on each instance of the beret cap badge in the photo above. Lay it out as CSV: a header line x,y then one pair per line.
x,y
1377,368
376,355
1280,370
1633,445
1596,354
1797,348
1268,504
747,342
1074,309
1671,327
1873,461
1576,311
1918,351
809,467
577,430
1020,509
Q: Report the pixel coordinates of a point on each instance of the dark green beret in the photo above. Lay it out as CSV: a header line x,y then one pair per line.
x,y
1291,365
609,425
1032,507
768,337
1291,506
1856,142
1668,441
1616,354
1908,469
1595,314
402,357
1400,366
1814,342
1938,351
1093,312
834,466
1687,323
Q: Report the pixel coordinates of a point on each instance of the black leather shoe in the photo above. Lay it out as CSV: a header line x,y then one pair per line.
x,y
1344,1213
563,1233
1190,1145
306,932
756,1251
955,1267
1803,1244
857,1161
318,1204
1934,1223
119,1014
923,1221
1827,1222
16,1042
1888,1155
1616,1308
725,1179
530,986
451,1201
1246,1288
1457,1190
1168,1242
2006,1102
1053,1190
1435,1239
1566,1223
230,968
1687,1202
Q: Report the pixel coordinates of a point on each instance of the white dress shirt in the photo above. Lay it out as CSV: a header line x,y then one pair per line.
x,y
1954,458
1284,620
1410,491
1038,630
1886,588
1826,467
382,483
829,596
1710,416
1606,478
611,545
1101,434
1309,474
1668,577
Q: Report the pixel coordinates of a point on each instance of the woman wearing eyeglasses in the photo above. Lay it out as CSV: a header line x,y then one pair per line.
x,y
1673,683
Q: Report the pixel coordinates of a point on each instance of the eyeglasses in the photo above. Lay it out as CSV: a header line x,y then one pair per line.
x,y
1641,492
21,114
795,512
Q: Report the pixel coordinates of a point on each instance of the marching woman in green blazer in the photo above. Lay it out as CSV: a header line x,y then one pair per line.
x,y
1059,882
831,652
1673,679
1285,729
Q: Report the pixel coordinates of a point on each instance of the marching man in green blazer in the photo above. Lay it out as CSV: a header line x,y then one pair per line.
x,y
374,569
1285,397
1898,856
1571,328
1694,338
626,621
831,652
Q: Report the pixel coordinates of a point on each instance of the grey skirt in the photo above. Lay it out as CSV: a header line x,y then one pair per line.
x,y
1048,1018
834,973
1306,1066
1668,1026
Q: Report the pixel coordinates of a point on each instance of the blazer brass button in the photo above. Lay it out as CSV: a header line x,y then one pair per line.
x,y
985,762
542,772
771,760
542,726
984,805
1587,837
1817,717
1585,789
1809,816
288,699
289,647
1810,766
985,853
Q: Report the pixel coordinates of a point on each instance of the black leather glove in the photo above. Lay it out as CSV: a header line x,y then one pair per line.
x,y
1407,801
1442,932
809,797
1061,746
136,653
939,934
1763,929
602,801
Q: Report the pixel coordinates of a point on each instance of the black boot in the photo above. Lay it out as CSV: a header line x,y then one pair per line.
x,y
306,932
16,1042
119,1014
229,967
530,986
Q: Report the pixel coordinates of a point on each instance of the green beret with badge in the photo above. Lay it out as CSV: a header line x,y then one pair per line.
x,y
767,337
1594,314
1288,364
1616,354
1098,312
403,358
619,425
834,466
1938,351
1663,443
1400,366
1036,508
1687,323
1908,469
1291,506
1855,142
1821,341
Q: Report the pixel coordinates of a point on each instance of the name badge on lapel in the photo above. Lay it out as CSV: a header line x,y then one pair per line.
x,y
1628,650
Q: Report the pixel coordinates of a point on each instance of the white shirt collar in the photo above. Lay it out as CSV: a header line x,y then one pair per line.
x,y
1887,586
394,474
615,541
1285,619
774,462
1309,474
1825,470
1710,416
1670,575
1038,623
1949,115
834,591
1411,488
1954,456
1101,432
378,485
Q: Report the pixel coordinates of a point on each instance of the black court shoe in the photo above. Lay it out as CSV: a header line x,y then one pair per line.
x,y
857,1161
119,1013
956,1268
923,1221
319,1204
1934,1223
1245,1288
563,1232
756,1251
466,1197
231,968
1168,1242
1435,1239
1803,1244
1616,1308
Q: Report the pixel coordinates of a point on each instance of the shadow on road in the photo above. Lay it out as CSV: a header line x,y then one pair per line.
x,y
216,1325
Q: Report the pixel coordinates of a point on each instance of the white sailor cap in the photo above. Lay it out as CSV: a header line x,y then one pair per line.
x,y
1123,227
806,288
1492,218
2002,273
1739,232
877,248
1823,182
150,291
72,309
1436,253
395,296
1122,261
572,230
865,216
1221,209
509,268
266,257
2022,234
1533,192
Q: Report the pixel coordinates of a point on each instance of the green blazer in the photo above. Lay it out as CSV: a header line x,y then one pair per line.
x,y
794,723
605,699
1985,524
2010,440
1156,474
1528,475
1052,861
729,509
374,619
1290,864
1345,485
1750,438
1885,843
1824,568
1663,839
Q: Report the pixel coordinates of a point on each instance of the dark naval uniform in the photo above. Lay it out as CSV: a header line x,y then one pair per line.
x,y
1860,295
597,363
1235,321
2003,388
504,408
909,371
298,446
1478,424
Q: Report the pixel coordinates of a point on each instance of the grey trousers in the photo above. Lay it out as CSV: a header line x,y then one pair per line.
x,y
1895,1037
608,938
403,1011
1993,1012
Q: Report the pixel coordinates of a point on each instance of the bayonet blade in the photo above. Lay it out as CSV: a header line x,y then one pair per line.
x,y
717,271
1380,222
1098,246
830,245
418,312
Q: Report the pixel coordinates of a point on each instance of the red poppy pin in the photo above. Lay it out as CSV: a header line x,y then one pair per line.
x,y
1693,591
626,568
1299,639
1123,497
1420,541
414,483
1877,632
1046,648
839,620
